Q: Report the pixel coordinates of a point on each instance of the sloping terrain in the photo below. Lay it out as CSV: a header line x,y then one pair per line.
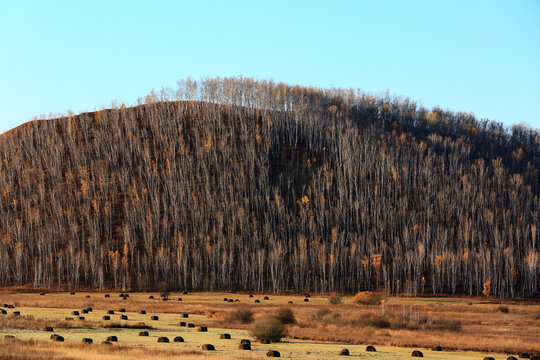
x,y
250,185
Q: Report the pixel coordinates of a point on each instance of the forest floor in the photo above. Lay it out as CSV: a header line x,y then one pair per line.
x,y
466,328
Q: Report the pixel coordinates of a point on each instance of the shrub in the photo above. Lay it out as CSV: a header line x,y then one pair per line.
x,y
335,299
268,327
242,315
368,298
503,309
285,316
447,324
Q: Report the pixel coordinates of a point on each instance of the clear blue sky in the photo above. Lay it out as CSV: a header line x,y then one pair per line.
x,y
472,56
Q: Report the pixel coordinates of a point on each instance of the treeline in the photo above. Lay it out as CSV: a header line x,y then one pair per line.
x,y
239,184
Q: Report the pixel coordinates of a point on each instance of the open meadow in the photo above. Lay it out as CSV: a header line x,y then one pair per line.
x,y
464,328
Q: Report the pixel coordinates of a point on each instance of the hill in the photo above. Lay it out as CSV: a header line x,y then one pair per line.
x,y
240,184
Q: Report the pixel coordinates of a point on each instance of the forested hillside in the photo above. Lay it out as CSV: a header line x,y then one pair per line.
x,y
238,184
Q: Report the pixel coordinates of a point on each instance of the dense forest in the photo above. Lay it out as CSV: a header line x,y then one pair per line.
x,y
242,184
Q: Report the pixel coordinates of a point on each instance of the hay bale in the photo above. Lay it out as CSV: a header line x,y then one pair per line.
x,y
143,333
225,299
190,325
290,302
107,295
371,348
112,338
122,310
437,348
511,358
183,323
179,299
75,313
82,318
3,312
151,297
16,313
417,353
266,298
154,317
84,311
110,312
245,341
142,312
208,347
250,295
185,315
72,293
123,317
165,299
10,306
184,293
244,346
106,343
524,355
106,317
236,300
42,294
489,358
89,309
163,339
308,295
225,336
48,328
202,329
273,353
306,300
88,296
87,341
257,301
231,300
265,341
344,352
178,339
56,337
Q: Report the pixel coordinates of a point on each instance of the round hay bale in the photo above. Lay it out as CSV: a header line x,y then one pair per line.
x,y
178,339
250,295
163,339
84,311
190,325
290,302
244,346
48,328
184,293
208,347
154,317
489,358
106,317
151,297
417,353
257,301
106,343
344,352
68,318
16,313
121,295
88,296
142,312
185,315
3,312
179,299
371,348
123,317
87,341
57,337
89,309
245,341
266,298
437,348
107,295
306,300
183,323
165,299
75,313
308,295
112,338
225,336
110,312
231,300
72,293
225,299
42,294
122,310
511,358
236,300
82,318
202,329
273,353
524,355
10,306
143,333
265,341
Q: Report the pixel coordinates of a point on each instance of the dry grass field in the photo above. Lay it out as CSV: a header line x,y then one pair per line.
x,y
465,328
